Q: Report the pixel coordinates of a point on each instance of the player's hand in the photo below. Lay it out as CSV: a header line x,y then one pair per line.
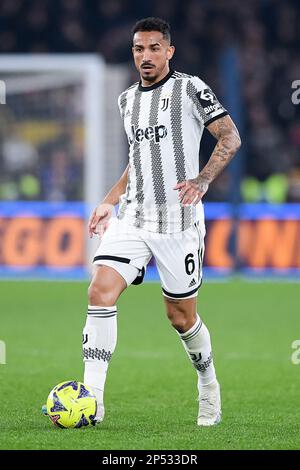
x,y
191,191
99,219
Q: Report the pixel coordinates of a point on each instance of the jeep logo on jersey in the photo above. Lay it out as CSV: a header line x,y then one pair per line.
x,y
150,133
208,100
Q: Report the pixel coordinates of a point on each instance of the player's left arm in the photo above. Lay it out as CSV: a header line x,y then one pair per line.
x,y
229,141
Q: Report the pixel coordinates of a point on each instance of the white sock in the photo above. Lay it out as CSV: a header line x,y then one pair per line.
x,y
196,342
99,342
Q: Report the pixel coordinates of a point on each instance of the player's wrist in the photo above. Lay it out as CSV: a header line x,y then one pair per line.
x,y
203,183
105,207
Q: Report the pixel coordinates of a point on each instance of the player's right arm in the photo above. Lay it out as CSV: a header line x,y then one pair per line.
x,y
207,109
103,212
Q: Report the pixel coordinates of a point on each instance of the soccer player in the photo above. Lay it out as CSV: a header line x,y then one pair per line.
x,y
160,212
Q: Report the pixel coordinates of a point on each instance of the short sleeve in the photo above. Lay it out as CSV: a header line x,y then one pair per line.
x,y
122,103
205,105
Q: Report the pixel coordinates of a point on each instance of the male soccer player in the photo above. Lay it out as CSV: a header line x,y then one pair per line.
x,y
160,212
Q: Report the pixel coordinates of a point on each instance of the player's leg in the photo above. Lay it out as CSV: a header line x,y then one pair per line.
x,y
179,261
196,341
119,260
100,331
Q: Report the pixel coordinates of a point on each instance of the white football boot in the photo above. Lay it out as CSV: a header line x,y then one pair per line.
x,y
99,414
209,404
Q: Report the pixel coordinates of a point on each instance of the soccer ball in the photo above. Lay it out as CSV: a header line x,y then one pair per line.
x,y
71,405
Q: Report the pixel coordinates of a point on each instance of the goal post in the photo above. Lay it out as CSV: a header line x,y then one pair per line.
x,y
61,139
39,72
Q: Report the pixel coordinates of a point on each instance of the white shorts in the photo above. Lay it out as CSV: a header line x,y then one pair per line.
x,y
178,256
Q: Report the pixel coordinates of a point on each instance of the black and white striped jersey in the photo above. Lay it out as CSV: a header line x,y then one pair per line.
x,y
164,125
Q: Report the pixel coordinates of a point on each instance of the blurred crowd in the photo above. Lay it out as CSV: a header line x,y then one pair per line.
x,y
41,145
264,33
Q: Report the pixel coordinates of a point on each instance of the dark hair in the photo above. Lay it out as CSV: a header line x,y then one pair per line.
x,y
153,24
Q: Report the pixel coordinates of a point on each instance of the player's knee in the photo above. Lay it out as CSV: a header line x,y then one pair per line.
x,y
180,323
178,319
97,295
181,318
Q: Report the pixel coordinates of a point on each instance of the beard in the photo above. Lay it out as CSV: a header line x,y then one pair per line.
x,y
149,75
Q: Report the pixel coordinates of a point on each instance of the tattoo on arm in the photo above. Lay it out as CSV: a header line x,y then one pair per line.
x,y
225,131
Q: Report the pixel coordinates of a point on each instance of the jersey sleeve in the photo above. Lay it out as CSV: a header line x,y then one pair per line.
x,y
121,103
205,105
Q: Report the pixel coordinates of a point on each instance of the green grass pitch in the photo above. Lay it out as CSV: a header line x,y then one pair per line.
x,y
151,386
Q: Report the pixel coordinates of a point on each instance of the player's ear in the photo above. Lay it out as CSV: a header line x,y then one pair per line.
x,y
170,52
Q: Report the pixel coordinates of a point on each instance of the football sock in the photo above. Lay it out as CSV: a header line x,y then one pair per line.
x,y
196,342
99,342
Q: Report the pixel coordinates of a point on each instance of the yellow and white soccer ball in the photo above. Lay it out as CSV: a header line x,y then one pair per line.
x,y
71,404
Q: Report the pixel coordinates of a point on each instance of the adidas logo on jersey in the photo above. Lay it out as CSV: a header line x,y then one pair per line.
x,y
192,283
150,133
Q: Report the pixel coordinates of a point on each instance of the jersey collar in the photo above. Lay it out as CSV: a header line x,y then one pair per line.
x,y
157,84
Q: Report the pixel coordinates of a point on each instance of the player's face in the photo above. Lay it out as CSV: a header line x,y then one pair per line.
x,y
151,53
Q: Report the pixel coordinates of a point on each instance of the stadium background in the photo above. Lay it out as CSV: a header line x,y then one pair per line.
x,y
248,53
55,164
